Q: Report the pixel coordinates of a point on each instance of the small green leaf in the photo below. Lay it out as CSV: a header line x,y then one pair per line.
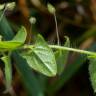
x,y
8,71
92,72
21,35
41,58
51,8
61,57
30,81
17,41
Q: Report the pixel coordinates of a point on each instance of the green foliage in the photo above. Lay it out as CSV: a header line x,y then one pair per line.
x,y
67,74
16,42
49,60
61,57
20,36
41,58
25,72
30,81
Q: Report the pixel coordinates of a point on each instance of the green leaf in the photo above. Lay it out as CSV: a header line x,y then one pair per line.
x,y
69,71
31,83
29,79
8,45
16,42
92,72
61,57
8,71
21,35
41,58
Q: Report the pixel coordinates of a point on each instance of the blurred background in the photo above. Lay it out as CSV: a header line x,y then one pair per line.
x,y
77,20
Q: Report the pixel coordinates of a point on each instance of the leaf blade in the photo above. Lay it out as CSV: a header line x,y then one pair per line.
x,y
61,57
32,86
41,58
17,41
21,35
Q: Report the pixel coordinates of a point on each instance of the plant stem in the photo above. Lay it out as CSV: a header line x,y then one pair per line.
x,y
72,49
65,48
57,32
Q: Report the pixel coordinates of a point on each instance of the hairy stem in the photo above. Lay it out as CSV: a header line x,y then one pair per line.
x,y
65,48
72,49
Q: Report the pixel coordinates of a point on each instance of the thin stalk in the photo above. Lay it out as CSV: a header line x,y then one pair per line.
x,y
65,48
72,49
30,33
57,32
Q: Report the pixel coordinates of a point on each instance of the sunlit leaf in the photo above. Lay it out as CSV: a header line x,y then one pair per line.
x,y
17,41
41,58
30,81
20,36
61,57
